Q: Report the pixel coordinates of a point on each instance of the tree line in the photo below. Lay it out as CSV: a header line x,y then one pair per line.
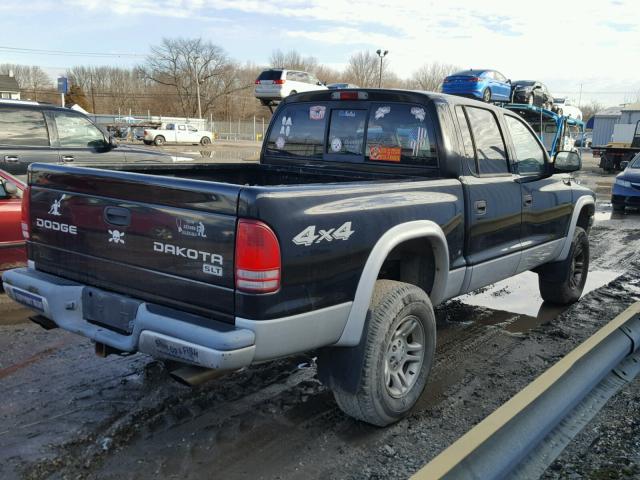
x,y
166,83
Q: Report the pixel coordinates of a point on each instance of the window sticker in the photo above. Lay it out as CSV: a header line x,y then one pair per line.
x,y
317,112
280,143
336,145
418,112
382,111
347,113
418,137
286,126
384,154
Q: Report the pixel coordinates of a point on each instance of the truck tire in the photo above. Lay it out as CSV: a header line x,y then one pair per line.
x,y
159,141
205,141
564,284
400,343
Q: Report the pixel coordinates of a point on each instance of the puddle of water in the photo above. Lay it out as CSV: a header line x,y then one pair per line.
x,y
520,295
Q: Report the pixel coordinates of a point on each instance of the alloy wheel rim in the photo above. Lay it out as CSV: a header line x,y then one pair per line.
x,y
577,267
404,357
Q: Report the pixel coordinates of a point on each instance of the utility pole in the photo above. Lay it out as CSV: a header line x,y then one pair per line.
x,y
381,54
93,97
580,97
198,87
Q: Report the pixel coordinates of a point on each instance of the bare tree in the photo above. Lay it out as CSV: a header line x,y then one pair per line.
x,y
30,78
429,77
364,69
180,63
590,109
293,60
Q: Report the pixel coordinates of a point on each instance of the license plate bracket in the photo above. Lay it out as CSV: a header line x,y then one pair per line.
x,y
110,310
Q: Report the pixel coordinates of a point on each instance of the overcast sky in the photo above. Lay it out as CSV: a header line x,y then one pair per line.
x,y
562,43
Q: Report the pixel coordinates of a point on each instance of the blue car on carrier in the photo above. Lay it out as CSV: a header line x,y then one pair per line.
x,y
486,85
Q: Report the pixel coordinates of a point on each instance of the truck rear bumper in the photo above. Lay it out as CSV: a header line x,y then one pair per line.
x,y
167,333
158,331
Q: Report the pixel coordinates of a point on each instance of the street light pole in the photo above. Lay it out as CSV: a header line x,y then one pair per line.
x,y
198,87
381,54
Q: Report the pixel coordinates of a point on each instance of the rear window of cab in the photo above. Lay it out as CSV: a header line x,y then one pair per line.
x,y
389,133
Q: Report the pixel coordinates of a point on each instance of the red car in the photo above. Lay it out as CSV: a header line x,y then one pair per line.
x,y
12,246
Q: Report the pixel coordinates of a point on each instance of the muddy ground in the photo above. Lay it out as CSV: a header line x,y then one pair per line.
x,y
66,413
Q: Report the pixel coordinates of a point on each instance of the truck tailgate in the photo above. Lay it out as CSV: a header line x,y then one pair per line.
x,y
165,240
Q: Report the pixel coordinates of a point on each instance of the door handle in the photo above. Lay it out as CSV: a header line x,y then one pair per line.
x,y
527,200
67,158
11,158
481,207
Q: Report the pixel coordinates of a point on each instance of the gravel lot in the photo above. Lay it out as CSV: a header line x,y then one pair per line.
x,y
69,414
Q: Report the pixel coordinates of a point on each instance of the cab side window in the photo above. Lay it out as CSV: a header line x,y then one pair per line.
x,y
77,131
529,154
489,145
467,141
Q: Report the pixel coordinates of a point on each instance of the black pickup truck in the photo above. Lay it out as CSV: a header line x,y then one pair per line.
x,y
367,208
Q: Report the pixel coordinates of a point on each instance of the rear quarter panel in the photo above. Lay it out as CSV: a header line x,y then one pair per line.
x,y
327,270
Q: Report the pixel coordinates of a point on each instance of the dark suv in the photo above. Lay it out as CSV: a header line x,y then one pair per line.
x,y
31,131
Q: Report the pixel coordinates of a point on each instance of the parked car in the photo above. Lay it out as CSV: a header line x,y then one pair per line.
x,y
13,252
584,140
531,92
336,240
626,188
564,107
340,86
486,85
177,133
31,132
275,84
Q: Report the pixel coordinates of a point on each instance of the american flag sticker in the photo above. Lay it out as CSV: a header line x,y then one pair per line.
x,y
418,137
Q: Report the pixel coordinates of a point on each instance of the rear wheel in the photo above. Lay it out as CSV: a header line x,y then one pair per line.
x,y
564,284
159,141
400,341
486,95
205,141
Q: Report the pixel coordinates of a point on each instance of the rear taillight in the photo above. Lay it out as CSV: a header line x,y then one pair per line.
x,y
257,258
145,133
278,82
26,223
257,82
473,79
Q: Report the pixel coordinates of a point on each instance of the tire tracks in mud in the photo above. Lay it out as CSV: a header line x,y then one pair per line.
x,y
277,421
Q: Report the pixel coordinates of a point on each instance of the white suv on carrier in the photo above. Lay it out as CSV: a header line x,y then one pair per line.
x,y
276,84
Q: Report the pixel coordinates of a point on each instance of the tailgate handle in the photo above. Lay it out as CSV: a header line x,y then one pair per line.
x,y
117,216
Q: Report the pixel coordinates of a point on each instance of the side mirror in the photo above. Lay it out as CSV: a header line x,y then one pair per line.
x,y
565,161
509,80
111,143
12,190
624,164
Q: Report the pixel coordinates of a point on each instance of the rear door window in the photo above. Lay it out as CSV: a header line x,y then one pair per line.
x,y
490,149
400,133
23,127
298,131
270,75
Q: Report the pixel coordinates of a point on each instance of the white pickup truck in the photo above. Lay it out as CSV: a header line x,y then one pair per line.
x,y
177,133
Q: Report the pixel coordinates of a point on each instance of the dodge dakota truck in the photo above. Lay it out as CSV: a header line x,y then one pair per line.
x,y
368,207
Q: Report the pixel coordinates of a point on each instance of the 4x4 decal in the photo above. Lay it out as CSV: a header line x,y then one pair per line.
x,y
308,236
